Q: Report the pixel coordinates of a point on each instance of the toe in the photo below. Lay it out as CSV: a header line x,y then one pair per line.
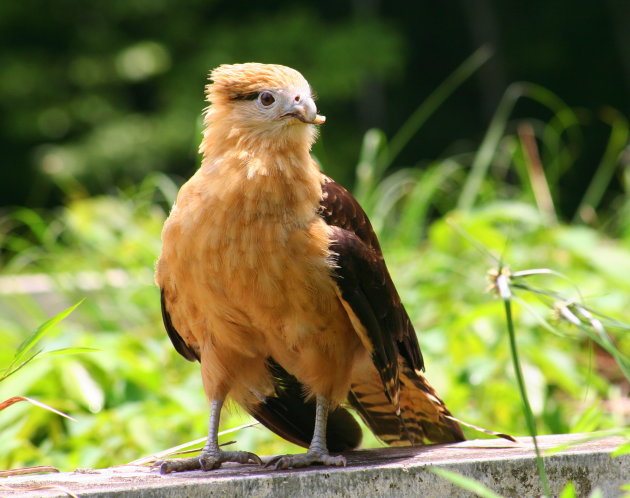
x,y
305,460
180,465
337,461
280,463
273,462
252,458
208,463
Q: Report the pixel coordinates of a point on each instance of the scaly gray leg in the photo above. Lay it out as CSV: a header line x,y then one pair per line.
x,y
317,451
212,456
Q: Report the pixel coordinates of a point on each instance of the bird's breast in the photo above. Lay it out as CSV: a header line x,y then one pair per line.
x,y
250,269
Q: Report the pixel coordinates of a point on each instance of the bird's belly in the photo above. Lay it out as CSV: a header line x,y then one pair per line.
x,y
262,280
263,290
282,287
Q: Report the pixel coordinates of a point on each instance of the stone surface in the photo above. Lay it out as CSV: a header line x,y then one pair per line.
x,y
509,469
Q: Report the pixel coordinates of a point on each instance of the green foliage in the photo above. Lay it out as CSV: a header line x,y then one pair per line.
x,y
24,353
82,105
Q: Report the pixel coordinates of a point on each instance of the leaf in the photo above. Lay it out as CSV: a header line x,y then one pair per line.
x,y
568,491
40,469
66,351
20,358
465,483
42,330
88,389
624,449
16,399
11,369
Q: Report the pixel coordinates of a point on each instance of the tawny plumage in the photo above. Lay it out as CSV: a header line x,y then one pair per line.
x,y
272,277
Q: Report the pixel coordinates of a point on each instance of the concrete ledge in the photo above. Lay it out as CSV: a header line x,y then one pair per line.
x,y
508,469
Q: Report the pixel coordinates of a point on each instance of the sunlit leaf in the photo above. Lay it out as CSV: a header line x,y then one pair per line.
x,y
43,329
465,482
15,399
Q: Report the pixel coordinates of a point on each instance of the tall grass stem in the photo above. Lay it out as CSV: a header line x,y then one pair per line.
x,y
529,416
484,156
431,104
617,142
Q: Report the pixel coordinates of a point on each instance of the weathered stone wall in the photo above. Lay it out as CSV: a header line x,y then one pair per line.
x,y
509,469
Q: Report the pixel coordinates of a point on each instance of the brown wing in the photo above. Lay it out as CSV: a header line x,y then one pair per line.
x,y
291,414
178,342
391,395
340,209
363,278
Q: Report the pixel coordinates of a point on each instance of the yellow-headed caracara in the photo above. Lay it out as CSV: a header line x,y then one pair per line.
x,y
273,279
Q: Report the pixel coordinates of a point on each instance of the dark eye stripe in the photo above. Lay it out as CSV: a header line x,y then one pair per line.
x,y
245,96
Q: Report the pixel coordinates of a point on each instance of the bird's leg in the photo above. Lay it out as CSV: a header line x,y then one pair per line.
x,y
212,456
317,451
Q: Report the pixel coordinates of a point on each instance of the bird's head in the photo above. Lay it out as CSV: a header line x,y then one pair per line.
x,y
265,101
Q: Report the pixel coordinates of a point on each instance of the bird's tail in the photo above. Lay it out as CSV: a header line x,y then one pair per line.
x,y
423,417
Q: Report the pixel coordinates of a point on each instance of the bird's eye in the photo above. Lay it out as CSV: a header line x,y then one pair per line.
x,y
266,99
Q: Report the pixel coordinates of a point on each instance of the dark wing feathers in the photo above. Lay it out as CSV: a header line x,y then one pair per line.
x,y
356,244
178,342
291,415
394,399
340,209
360,275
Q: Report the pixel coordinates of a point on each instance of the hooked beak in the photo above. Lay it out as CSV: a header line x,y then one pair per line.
x,y
306,111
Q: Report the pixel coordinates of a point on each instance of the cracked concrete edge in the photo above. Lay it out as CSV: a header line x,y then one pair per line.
x,y
508,478
589,467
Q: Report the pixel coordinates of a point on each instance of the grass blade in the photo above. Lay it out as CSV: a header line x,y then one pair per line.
x,y
505,294
177,449
605,170
465,483
15,366
536,173
66,351
16,399
374,141
485,154
433,102
28,344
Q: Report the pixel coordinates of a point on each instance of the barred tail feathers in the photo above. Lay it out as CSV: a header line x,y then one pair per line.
x,y
423,416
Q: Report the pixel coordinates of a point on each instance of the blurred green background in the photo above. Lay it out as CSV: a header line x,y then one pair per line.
x,y
85,87
521,153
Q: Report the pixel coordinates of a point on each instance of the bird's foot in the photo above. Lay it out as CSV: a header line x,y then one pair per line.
x,y
311,457
206,461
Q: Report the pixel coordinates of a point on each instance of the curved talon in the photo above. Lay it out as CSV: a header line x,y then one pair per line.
x,y
214,461
272,462
304,460
336,461
252,458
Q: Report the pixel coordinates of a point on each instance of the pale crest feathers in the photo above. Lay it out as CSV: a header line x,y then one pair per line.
x,y
235,125
231,80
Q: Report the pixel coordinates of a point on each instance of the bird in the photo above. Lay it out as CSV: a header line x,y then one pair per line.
x,y
272,277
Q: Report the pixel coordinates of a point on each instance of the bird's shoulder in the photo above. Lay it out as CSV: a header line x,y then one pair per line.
x,y
363,280
339,208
